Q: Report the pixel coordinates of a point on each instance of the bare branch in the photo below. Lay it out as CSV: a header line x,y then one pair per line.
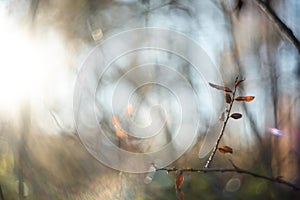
x,y
282,28
235,169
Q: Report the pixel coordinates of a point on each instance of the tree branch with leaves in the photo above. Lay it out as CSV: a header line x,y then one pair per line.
x,y
230,99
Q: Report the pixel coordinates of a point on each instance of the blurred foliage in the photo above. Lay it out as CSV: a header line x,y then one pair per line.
x,y
240,40
115,185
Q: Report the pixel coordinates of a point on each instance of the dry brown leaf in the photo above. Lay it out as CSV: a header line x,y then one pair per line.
x,y
129,109
222,117
236,115
120,133
226,89
238,82
225,149
245,98
179,181
117,125
228,98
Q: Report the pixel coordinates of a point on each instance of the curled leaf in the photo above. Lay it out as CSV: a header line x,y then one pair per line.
x,y
225,149
218,87
238,82
228,98
236,115
222,117
245,98
179,181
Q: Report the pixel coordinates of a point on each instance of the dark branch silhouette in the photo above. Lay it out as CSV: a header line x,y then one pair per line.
x,y
235,169
282,28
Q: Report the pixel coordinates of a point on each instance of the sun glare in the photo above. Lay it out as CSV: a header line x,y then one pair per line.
x,y
26,65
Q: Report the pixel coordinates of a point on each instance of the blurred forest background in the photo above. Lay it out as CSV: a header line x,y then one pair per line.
x,y
42,46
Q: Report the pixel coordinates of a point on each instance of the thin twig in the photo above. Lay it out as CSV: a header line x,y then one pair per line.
x,y
286,31
235,169
222,130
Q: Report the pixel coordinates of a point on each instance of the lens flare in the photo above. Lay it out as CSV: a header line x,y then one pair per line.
x,y
28,64
275,131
